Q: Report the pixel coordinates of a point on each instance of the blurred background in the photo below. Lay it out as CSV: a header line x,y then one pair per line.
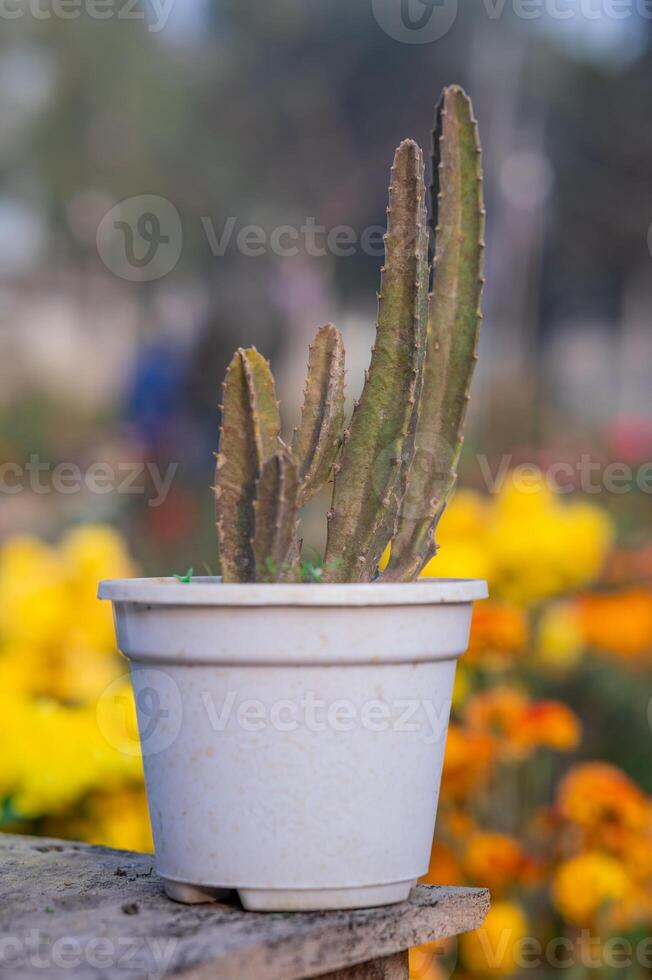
x,y
181,177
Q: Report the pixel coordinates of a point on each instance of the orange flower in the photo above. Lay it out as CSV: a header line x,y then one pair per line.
x,y
608,808
636,852
493,860
520,724
498,710
458,823
467,763
634,908
619,623
596,795
499,631
549,724
444,867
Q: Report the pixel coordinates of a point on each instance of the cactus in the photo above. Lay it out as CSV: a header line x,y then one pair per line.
x,y
364,509
276,510
395,465
453,328
317,439
249,436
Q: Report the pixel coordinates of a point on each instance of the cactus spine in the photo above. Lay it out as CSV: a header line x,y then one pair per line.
x,y
396,464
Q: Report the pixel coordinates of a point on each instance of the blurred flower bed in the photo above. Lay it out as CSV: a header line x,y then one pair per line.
x,y
544,792
532,804
70,766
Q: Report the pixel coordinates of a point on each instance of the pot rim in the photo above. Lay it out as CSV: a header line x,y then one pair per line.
x,y
210,591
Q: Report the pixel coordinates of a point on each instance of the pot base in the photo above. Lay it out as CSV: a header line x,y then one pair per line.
x,y
323,899
180,891
292,900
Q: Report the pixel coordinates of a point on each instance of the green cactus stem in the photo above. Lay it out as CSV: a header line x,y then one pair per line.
x,y
365,499
396,464
249,436
317,440
453,330
276,510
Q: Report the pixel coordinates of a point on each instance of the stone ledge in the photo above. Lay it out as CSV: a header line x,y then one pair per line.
x,y
111,907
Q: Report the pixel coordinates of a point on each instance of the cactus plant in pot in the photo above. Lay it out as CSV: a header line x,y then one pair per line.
x,y
293,731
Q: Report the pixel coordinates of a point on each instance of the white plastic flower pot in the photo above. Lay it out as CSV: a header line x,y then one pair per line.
x,y
292,735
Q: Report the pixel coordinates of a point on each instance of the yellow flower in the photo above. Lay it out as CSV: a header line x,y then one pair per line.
x,y
530,543
57,654
585,885
493,948
34,606
92,551
559,640
589,536
461,559
24,670
467,515
121,820
460,536
117,818
526,497
544,546
60,756
89,553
